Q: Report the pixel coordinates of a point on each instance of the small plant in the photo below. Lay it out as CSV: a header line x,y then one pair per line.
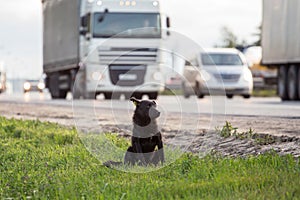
x,y
262,139
229,131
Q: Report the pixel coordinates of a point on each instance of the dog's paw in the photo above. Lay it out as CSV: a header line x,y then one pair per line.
x,y
111,163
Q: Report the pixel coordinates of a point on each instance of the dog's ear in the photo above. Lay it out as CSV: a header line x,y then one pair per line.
x,y
135,101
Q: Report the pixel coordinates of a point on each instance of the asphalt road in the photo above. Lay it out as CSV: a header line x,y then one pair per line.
x,y
263,115
272,107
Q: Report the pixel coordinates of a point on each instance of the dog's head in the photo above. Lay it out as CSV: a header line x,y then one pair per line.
x,y
145,111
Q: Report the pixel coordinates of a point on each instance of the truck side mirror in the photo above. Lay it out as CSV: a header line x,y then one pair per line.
x,y
168,22
84,21
83,31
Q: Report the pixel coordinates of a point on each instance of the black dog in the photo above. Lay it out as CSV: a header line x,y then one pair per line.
x,y
146,142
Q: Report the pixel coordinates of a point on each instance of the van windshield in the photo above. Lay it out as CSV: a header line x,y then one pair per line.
x,y
127,25
221,59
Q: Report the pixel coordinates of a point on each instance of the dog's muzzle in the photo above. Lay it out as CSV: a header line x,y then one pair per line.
x,y
153,113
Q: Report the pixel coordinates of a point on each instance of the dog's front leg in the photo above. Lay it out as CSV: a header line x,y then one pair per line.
x,y
161,154
137,145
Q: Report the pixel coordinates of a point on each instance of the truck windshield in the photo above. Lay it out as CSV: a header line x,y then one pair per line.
x,y
126,25
221,59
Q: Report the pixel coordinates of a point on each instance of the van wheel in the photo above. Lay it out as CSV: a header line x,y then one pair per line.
x,y
246,96
185,92
229,96
198,91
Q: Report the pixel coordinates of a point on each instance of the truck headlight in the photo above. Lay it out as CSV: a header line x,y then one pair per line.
x,y
157,76
97,76
27,86
41,86
155,3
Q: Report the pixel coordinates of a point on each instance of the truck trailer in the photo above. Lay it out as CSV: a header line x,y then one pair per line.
x,y
281,44
111,47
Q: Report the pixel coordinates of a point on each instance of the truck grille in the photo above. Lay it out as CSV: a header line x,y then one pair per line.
x,y
128,56
127,75
227,77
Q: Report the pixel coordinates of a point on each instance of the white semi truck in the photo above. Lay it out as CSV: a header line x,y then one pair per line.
x,y
111,47
281,44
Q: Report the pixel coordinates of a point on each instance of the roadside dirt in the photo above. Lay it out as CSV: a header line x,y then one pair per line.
x,y
282,134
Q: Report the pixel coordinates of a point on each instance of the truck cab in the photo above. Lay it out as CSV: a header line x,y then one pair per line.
x,y
111,48
120,48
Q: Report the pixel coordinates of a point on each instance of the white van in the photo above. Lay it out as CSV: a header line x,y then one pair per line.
x,y
218,71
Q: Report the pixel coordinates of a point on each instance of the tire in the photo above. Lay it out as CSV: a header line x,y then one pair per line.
x,y
282,83
198,91
153,95
184,91
246,96
55,92
63,94
292,86
137,95
298,83
107,95
90,95
229,96
111,95
78,85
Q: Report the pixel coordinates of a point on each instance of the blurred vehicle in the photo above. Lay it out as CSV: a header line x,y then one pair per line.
x,y
2,81
262,75
173,83
109,47
34,85
281,44
217,72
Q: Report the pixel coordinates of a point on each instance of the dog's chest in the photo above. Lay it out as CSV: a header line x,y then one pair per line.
x,y
148,144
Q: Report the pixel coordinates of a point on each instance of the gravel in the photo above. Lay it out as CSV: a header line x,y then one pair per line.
x,y
283,134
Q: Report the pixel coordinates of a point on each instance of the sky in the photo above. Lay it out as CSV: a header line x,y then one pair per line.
x,y
199,20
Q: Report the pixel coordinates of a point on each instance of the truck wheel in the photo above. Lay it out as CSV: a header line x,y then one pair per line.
x,y
282,82
292,83
90,95
298,82
137,95
246,96
107,95
60,94
53,83
153,95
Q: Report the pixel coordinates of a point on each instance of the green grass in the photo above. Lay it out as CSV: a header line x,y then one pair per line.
x,y
168,92
264,93
47,161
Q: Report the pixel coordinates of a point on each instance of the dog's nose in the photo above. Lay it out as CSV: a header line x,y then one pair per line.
x,y
158,113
